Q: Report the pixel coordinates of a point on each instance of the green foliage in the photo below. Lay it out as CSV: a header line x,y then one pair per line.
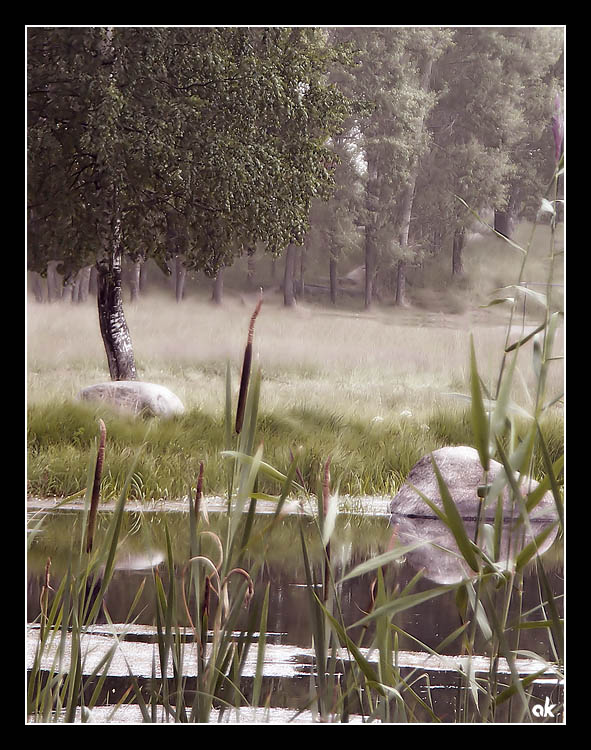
x,y
192,140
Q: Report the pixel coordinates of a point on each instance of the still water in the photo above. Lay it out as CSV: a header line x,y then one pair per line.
x,y
358,536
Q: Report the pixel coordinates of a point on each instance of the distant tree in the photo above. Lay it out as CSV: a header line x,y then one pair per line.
x,y
222,129
334,231
489,141
536,57
393,76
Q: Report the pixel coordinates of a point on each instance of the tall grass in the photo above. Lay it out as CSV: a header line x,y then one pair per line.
x,y
58,692
372,391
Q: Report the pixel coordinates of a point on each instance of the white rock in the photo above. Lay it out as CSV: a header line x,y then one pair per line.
x,y
463,474
136,397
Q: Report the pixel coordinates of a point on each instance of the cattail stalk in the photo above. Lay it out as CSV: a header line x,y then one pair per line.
x,y
325,503
44,598
246,366
98,471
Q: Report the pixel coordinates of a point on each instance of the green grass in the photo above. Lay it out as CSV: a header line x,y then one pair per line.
x,y
372,390
369,458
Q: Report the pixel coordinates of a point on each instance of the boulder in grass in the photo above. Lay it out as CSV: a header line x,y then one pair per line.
x,y
462,472
136,397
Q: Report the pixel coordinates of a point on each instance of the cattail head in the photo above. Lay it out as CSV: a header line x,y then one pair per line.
x,y
199,492
206,598
253,318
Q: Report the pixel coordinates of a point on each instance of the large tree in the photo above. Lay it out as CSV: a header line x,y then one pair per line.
x,y
162,142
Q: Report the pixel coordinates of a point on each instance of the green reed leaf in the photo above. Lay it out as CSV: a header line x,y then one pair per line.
x,y
402,603
454,521
480,422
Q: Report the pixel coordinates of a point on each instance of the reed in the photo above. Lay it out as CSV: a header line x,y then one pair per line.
x,y
62,691
215,590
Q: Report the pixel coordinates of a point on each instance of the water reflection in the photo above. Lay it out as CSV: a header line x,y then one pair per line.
x,y
276,559
441,559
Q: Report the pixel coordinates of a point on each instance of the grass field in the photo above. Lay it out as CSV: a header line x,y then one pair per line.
x,y
373,390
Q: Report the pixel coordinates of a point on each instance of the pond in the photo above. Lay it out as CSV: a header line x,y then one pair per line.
x,y
277,558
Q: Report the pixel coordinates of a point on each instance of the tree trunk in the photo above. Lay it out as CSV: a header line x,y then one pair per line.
x,y
401,298
333,279
134,279
408,199
36,286
180,276
436,242
403,234
93,281
370,262
113,325
82,284
217,293
288,276
504,222
302,284
457,265
54,282
69,289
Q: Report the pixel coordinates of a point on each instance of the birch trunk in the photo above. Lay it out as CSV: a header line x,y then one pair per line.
x,y
408,199
113,326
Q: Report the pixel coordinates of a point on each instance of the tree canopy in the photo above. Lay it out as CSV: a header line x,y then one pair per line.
x,y
204,140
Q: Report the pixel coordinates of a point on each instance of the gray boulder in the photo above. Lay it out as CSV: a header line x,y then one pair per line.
x,y
462,471
136,397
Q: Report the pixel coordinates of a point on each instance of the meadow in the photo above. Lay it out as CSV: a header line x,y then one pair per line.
x,y
373,390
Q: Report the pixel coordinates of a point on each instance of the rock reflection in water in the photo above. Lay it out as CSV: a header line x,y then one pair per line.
x,y
441,559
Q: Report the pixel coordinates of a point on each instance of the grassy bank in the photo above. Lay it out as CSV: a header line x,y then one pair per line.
x,y
374,391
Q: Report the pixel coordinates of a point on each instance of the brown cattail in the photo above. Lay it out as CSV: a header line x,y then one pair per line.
x,y
98,471
206,597
199,492
246,365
